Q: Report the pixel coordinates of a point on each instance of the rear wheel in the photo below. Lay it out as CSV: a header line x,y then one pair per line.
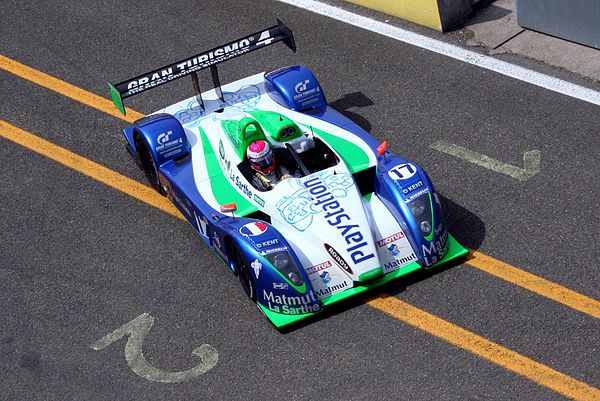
x,y
244,272
148,164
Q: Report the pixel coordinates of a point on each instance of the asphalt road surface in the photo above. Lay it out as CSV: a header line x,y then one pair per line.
x,y
79,259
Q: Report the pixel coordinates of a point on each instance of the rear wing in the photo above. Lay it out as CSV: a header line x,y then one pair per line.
x,y
207,59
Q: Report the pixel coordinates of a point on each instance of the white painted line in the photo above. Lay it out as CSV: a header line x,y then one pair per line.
x,y
437,46
531,160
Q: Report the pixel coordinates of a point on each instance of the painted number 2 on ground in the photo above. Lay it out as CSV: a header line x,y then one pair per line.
x,y
136,330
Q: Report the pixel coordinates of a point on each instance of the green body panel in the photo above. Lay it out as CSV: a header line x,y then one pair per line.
x,y
116,98
242,133
371,274
455,251
274,123
222,188
353,155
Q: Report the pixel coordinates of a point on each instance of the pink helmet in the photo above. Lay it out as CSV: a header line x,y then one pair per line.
x,y
261,157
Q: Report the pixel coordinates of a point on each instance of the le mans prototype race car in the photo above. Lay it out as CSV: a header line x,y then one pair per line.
x,y
351,217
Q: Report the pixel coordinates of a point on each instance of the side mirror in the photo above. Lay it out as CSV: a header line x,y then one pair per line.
x,y
228,208
382,148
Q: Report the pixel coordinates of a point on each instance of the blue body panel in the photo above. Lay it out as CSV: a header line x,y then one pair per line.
x,y
295,88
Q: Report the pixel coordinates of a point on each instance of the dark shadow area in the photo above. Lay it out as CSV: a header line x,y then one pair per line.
x,y
484,11
466,227
356,99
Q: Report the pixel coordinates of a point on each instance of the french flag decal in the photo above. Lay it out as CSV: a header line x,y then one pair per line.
x,y
253,229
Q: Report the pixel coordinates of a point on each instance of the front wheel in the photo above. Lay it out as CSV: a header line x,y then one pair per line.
x,y
148,164
244,273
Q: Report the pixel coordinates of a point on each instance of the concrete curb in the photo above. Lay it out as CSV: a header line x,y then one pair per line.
x,y
440,15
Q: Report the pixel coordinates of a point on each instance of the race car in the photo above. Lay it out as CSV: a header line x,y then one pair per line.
x,y
347,217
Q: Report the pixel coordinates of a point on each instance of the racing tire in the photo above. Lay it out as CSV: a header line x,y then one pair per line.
x,y
244,273
148,164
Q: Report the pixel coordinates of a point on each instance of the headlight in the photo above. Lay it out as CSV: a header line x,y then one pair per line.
x,y
425,228
420,208
283,262
416,207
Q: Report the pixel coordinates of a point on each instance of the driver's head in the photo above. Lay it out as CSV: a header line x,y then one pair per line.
x,y
260,156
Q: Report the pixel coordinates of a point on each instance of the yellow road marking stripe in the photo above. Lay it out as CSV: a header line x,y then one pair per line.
x,y
485,349
411,315
490,265
66,89
534,283
88,167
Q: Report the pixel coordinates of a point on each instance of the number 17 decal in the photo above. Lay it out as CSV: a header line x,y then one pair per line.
x,y
402,171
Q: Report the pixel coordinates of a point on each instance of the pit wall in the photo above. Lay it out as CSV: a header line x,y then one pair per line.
x,y
441,15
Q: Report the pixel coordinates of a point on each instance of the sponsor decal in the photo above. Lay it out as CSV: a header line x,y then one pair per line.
x,y
317,268
241,183
182,205
253,229
402,171
164,137
388,240
304,94
245,99
267,243
332,289
256,266
225,161
190,114
393,248
221,150
416,194
388,267
259,200
195,63
165,143
281,286
273,250
335,216
171,153
291,305
297,209
301,86
412,187
218,246
325,276
337,258
436,249
201,224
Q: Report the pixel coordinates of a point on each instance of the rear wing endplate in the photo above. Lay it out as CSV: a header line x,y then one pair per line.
x,y
207,59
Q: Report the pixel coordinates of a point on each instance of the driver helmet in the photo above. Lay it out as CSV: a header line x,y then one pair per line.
x,y
260,156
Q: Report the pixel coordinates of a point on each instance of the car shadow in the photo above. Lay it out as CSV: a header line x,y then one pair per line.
x,y
464,225
467,229
355,99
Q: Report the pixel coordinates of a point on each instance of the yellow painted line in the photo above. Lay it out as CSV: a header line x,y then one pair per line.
x,y
534,283
479,260
66,89
486,349
88,167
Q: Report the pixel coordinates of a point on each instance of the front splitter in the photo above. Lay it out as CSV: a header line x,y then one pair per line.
x,y
279,320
